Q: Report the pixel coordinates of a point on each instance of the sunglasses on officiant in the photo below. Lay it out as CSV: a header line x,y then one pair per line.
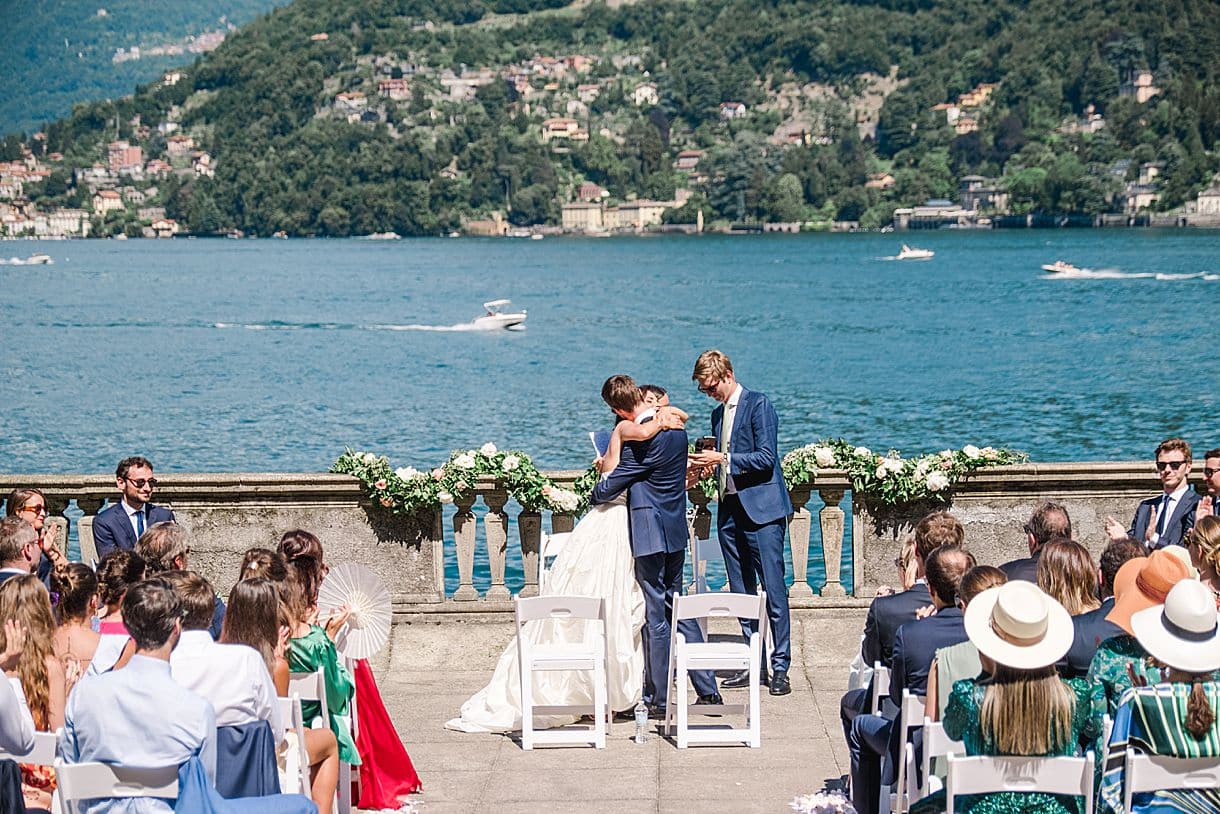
x,y
1174,465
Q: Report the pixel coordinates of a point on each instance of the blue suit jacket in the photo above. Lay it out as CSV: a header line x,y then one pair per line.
x,y
1091,629
915,646
885,615
1176,527
653,473
112,530
754,461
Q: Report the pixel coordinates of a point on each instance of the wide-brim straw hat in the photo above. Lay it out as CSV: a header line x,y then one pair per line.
x,y
1184,633
1142,583
1019,626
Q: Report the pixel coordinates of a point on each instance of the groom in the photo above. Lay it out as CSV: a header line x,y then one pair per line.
x,y
653,473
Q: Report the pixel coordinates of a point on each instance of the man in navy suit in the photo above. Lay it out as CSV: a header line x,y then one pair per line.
x,y
1049,521
122,523
18,548
653,473
1167,518
1092,628
752,516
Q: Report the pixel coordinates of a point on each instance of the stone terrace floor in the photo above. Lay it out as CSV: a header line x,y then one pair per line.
x,y
802,744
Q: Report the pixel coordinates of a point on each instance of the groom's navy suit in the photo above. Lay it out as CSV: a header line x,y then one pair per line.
x,y
653,473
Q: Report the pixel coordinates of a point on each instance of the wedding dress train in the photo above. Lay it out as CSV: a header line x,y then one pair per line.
x,y
596,561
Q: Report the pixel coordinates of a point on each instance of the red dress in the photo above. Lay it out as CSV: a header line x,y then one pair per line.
x,y
386,772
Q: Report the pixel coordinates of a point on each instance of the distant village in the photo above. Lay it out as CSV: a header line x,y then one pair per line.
x,y
120,192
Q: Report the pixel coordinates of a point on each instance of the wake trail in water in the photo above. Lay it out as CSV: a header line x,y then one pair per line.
x,y
276,325
1115,274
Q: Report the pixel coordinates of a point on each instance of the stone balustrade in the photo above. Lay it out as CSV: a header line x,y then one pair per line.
x,y
229,513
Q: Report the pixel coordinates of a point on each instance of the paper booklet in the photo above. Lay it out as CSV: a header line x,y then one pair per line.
x,y
601,441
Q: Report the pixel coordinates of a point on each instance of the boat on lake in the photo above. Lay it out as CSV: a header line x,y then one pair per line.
x,y
909,253
497,318
1061,267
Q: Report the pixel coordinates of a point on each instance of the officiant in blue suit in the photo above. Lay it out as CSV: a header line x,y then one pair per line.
x,y
752,516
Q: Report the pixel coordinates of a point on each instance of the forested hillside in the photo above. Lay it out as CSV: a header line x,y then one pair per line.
x,y
413,115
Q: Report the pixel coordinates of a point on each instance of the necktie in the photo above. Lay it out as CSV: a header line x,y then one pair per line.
x,y
1163,515
726,431
140,523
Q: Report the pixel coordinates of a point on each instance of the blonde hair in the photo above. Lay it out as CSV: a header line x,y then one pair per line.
x,y
1206,535
1027,712
712,364
1066,572
25,599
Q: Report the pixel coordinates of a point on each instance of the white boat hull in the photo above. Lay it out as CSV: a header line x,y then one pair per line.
x,y
496,322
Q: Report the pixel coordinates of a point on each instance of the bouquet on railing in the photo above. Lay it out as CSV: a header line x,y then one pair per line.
x,y
826,802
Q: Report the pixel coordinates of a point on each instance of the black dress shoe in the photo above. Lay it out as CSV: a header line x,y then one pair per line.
x,y
742,679
710,698
780,684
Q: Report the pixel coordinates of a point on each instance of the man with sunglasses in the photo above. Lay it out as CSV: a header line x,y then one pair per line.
x,y
1210,504
122,523
1167,518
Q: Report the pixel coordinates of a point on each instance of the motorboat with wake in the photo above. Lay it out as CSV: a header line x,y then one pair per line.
x,y
909,253
1061,267
497,318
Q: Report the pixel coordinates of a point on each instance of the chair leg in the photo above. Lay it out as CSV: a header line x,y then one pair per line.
x,y
755,703
527,707
669,692
600,692
344,792
682,690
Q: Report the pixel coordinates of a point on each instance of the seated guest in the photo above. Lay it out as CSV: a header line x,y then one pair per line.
x,y
121,524
1022,707
1092,628
1049,521
31,506
888,613
18,548
1140,584
960,660
915,645
115,574
1177,717
25,600
861,674
263,562
1167,518
76,643
166,547
1210,503
1204,547
1067,574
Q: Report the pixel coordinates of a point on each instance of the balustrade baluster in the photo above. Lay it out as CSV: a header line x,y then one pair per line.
x,y
562,523
495,529
831,519
90,506
798,539
529,530
464,529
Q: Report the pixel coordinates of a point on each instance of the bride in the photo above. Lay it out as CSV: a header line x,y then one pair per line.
x,y
596,561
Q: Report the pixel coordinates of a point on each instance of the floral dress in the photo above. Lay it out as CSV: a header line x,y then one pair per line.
x,y
961,721
1109,668
307,654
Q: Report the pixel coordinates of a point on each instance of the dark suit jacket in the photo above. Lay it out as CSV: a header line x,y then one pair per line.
x,y
915,646
112,530
1176,527
5,576
1026,569
885,616
653,473
754,462
1091,629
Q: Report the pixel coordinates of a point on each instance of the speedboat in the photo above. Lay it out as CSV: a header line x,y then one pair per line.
x,y
1060,267
497,318
908,253
39,260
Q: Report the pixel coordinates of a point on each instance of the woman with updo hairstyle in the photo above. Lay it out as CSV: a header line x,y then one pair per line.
x,y
75,640
303,551
1066,571
1204,546
117,572
265,563
25,599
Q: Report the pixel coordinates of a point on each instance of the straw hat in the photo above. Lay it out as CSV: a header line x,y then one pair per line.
x,y
1142,583
1183,633
1182,554
1018,625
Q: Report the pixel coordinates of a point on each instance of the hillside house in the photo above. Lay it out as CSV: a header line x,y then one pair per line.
x,y
68,222
179,146
1139,196
1150,171
397,90
688,159
151,213
157,168
879,180
732,110
107,200
952,112
202,165
590,192
172,78
1139,86
582,216
123,158
644,94
966,124
563,128
636,214
351,102
978,97
982,194
588,93
1208,202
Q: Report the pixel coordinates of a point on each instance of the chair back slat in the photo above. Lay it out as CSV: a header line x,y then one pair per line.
x,y
560,607
988,774
1156,772
310,687
720,604
43,753
86,781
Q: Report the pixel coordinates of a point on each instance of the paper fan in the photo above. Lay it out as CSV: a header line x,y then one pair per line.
x,y
359,589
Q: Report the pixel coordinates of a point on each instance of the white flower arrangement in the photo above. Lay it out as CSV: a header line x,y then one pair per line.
x,y
562,499
827,802
464,461
510,463
488,449
444,497
407,472
823,456
972,452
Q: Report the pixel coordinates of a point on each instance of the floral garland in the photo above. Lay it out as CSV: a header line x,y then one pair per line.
x,y
888,479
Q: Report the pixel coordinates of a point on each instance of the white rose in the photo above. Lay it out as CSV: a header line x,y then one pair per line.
x,y
488,449
825,457
971,451
511,462
406,472
863,452
937,481
893,464
464,461
881,472
369,458
444,497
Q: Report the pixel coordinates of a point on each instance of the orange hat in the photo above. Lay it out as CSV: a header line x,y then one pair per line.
x,y
1142,583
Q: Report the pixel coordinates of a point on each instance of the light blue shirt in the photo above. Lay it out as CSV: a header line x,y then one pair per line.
x,y
137,716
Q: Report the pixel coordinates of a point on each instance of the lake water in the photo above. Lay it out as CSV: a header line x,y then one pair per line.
x,y
268,355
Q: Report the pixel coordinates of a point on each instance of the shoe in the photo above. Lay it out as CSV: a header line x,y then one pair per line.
x,y
780,684
710,699
742,679
656,713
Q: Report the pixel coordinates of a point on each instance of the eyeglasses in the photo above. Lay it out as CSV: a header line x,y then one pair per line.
x,y
1174,465
708,389
1208,471
139,482
33,509
898,563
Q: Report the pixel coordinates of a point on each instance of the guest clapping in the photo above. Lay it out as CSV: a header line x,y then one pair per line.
x,y
31,506
1210,503
1167,518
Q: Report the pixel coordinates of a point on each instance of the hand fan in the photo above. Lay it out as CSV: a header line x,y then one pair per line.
x,y
359,589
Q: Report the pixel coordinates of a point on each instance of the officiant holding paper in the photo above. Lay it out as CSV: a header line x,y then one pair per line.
x,y
753,510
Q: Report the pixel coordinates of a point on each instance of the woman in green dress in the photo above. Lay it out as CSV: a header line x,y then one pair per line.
x,y
1022,707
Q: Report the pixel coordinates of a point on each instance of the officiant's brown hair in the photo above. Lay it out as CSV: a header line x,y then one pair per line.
x,y
621,393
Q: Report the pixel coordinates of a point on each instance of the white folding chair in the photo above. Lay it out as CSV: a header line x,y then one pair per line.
x,y
881,687
86,781
294,721
1162,772
548,549
685,657
589,654
910,715
312,687
987,774
43,753
936,744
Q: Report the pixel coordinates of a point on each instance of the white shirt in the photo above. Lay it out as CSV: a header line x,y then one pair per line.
x,y
16,725
726,435
1174,498
233,678
131,517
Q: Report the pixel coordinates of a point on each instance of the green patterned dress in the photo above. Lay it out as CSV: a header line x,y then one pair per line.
x,y
961,721
1109,668
305,655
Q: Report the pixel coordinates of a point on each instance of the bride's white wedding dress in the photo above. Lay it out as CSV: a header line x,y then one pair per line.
x,y
596,561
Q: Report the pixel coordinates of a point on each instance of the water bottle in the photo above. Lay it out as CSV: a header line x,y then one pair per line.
x,y
641,723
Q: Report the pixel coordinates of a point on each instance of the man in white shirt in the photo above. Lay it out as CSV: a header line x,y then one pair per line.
x,y
1167,518
233,678
19,550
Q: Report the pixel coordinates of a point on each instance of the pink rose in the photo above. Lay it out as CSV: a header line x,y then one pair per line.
x,y
381,484
385,501
438,473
